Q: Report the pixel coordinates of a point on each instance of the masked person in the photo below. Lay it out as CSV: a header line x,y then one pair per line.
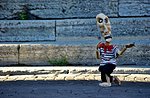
x,y
107,52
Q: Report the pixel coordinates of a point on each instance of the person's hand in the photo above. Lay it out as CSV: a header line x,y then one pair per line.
x,y
129,45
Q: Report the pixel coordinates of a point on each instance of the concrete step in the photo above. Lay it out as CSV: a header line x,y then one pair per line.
x,y
136,74
71,50
50,77
71,70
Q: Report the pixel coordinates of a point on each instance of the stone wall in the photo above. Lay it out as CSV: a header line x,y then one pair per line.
x,y
48,20
73,18
73,53
47,9
29,30
9,54
87,27
44,30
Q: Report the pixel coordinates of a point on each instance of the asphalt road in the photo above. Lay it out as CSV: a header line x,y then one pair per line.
x,y
72,89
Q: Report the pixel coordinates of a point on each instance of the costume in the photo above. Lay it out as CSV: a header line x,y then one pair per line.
x,y
108,60
107,52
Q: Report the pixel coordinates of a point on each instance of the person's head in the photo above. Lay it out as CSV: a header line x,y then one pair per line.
x,y
103,22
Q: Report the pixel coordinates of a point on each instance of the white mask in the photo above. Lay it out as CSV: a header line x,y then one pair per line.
x,y
104,24
108,39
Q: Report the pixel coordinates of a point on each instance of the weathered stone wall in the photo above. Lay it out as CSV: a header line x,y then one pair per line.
x,y
47,9
8,54
76,54
44,30
29,30
134,8
75,17
51,19
87,27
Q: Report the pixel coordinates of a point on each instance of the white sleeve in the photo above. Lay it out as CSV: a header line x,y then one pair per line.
x,y
116,52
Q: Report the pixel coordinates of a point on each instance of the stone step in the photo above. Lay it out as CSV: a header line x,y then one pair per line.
x,y
71,50
136,74
11,71
67,77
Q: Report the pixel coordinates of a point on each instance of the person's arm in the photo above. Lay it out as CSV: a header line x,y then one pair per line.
x,y
124,49
97,54
97,51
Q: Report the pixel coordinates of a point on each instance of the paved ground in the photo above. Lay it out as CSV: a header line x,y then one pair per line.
x,y
72,89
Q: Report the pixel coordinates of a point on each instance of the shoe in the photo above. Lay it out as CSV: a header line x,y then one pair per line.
x,y
105,84
116,80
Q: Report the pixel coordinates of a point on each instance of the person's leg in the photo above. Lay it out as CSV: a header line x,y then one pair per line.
x,y
116,80
103,77
108,69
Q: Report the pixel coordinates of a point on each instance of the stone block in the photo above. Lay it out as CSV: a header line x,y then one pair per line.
x,y
50,77
8,54
60,77
87,27
70,77
134,7
76,8
138,77
130,26
147,78
79,77
41,54
10,10
32,54
76,27
46,9
138,55
130,78
11,78
40,77
29,30
22,78
28,77
97,77
90,77
75,52
3,78
121,77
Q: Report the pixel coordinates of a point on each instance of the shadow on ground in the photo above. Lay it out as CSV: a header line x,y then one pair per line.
x,y
72,89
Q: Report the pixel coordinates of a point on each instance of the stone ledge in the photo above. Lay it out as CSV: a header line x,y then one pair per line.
x,y
46,77
135,74
77,50
70,70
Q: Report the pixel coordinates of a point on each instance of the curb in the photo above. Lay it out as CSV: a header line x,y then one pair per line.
x,y
67,77
72,70
135,74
